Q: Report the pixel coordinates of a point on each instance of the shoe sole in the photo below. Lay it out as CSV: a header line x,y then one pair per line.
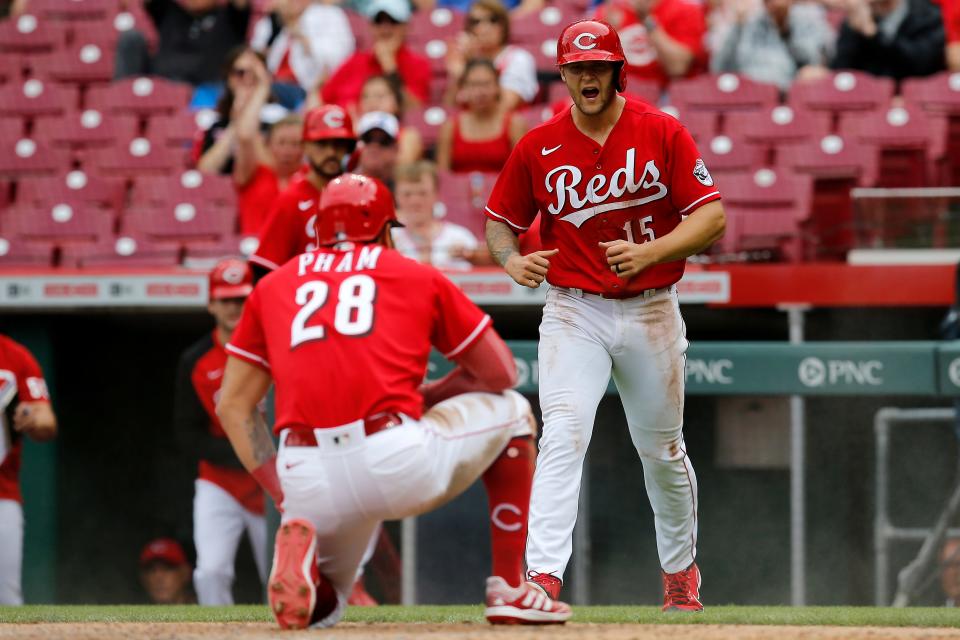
x,y
506,614
292,592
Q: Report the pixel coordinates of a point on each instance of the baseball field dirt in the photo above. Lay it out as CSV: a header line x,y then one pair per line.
x,y
466,623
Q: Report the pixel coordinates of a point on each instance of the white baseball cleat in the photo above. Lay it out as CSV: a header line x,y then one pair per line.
x,y
525,604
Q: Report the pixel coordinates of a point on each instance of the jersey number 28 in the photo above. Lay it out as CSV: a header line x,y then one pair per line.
x,y
352,317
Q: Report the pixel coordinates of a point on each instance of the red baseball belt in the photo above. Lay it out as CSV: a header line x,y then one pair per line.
x,y
373,424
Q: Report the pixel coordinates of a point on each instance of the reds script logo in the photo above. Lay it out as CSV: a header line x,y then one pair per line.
x,y
333,119
585,47
564,180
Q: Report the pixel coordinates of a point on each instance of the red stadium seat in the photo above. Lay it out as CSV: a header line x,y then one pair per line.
x,y
360,25
133,158
15,252
85,129
533,28
142,96
727,155
910,143
724,92
73,9
178,129
184,187
61,222
25,157
183,221
536,115
780,125
702,125
766,210
430,31
464,198
940,95
28,34
122,251
36,98
204,254
82,63
426,121
842,91
645,91
75,188
11,129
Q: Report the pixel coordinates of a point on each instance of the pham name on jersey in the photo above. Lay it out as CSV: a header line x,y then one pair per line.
x,y
339,261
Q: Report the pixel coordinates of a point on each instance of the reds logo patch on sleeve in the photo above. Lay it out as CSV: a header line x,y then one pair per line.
x,y
701,174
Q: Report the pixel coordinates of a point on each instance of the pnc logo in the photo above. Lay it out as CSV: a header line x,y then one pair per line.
x,y
334,119
710,371
577,42
814,372
953,372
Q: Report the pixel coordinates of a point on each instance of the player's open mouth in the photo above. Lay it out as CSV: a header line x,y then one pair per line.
x,y
590,93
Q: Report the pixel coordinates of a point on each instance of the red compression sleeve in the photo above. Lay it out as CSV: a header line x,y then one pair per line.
x,y
486,366
266,475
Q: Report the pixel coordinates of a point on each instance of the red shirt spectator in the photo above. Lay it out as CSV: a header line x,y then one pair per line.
x,y
677,51
951,20
389,55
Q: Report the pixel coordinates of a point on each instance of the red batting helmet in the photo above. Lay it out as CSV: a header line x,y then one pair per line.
x,y
329,122
592,40
354,208
231,278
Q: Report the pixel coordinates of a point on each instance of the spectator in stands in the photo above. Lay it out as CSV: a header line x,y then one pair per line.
x,y
894,38
951,23
486,35
378,149
950,571
165,573
776,42
264,166
424,237
481,136
662,39
12,7
195,36
388,56
383,93
516,7
304,42
248,88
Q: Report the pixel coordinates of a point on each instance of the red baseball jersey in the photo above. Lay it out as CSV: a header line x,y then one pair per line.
x,y
346,333
20,381
635,187
289,230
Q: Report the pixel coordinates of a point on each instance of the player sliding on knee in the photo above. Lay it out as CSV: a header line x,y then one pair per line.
x,y
344,333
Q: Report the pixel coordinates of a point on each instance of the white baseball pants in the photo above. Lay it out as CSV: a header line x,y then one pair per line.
x,y
11,552
219,521
349,482
641,341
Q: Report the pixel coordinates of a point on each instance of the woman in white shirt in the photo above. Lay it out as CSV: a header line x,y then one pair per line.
x,y
425,238
303,42
486,34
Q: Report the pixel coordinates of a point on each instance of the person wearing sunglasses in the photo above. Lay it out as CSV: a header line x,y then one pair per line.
x,y
389,56
486,35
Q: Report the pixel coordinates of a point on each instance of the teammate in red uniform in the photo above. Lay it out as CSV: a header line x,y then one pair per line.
x,y
228,501
346,344
328,139
613,180
24,411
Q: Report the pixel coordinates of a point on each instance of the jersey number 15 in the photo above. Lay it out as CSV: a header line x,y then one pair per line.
x,y
353,315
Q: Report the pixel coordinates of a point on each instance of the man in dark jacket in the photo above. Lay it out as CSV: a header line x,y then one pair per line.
x,y
894,38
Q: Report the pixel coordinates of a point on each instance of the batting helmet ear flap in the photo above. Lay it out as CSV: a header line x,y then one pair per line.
x,y
620,75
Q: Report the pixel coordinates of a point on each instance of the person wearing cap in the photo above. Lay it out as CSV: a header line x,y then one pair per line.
x,y
380,93
165,573
328,141
228,501
389,55
378,132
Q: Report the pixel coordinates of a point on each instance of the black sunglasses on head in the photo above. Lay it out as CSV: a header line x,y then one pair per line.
x,y
473,21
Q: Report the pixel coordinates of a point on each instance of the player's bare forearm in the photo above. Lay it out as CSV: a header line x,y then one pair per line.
x,y
698,231
244,385
502,242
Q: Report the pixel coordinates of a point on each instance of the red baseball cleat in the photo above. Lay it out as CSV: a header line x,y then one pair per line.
x,y
359,596
681,590
526,604
299,596
547,581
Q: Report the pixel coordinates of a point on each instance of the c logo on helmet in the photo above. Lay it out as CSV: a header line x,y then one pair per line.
x,y
233,274
333,119
585,47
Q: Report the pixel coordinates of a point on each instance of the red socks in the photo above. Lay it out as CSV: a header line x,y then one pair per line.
x,y
508,482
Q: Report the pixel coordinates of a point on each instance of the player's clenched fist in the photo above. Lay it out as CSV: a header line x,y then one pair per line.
x,y
627,259
530,270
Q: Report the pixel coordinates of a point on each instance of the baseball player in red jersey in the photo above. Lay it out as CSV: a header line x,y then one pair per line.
x,y
612,179
328,139
24,411
346,345
228,501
